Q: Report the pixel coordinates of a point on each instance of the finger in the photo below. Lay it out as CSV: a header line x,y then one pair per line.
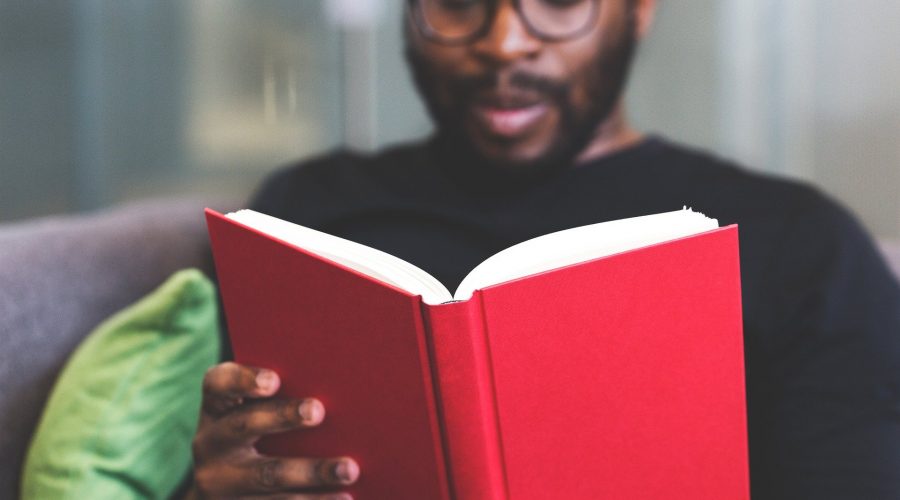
x,y
250,422
230,379
226,384
275,475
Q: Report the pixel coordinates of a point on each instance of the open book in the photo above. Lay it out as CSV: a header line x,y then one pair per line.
x,y
540,254
604,361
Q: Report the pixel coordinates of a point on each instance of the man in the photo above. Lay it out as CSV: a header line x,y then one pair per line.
x,y
532,138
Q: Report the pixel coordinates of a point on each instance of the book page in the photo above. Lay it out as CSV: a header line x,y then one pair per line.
x,y
366,260
580,244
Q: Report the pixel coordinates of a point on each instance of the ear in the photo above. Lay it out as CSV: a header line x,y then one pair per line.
x,y
644,12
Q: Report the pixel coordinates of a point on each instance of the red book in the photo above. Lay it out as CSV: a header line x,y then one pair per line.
x,y
619,376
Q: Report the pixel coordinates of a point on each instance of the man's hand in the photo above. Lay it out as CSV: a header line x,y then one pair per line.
x,y
235,414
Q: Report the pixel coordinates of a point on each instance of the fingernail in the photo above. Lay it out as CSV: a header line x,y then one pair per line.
x,y
266,380
346,470
311,411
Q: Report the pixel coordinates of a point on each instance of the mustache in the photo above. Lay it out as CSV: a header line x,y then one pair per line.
x,y
517,80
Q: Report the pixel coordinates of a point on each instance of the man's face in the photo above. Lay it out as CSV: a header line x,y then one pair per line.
x,y
517,101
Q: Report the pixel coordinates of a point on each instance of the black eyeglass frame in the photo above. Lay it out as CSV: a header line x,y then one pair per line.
x,y
431,34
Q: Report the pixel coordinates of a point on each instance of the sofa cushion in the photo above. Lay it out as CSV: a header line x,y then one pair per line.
x,y
120,420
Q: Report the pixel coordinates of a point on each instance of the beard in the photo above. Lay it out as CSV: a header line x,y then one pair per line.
x,y
578,125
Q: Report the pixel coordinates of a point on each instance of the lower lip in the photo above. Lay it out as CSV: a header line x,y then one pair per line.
x,y
510,122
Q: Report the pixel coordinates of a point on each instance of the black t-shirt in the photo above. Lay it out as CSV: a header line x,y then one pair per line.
x,y
821,308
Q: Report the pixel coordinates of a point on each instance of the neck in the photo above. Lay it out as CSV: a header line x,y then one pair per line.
x,y
614,134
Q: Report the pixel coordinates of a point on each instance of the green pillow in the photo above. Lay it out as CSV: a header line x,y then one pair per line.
x,y
120,421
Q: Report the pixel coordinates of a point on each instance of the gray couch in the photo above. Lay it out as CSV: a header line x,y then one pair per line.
x,y
61,276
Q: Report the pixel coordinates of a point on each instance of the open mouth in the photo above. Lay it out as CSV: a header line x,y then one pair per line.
x,y
510,122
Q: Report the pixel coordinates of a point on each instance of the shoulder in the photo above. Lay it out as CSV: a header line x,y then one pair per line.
x,y
341,174
744,192
792,233
341,167
767,206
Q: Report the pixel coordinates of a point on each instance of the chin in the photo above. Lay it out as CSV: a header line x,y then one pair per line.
x,y
512,157
506,152
509,160
521,166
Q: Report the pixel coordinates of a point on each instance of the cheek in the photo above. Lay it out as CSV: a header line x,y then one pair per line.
x,y
583,90
575,62
442,65
585,68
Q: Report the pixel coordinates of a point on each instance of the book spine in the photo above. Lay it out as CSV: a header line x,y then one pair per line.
x,y
464,388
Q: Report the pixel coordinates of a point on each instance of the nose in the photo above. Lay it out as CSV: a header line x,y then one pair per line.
x,y
508,39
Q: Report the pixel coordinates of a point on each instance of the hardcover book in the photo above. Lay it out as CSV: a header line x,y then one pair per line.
x,y
604,361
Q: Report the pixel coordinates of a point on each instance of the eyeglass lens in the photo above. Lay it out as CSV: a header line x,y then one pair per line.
x,y
461,19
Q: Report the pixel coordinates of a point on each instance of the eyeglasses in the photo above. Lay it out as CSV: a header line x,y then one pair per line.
x,y
458,22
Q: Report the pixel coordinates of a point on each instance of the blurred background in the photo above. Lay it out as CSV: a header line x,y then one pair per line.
x,y
103,101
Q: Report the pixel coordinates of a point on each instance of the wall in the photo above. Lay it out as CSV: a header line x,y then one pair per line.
x,y
109,100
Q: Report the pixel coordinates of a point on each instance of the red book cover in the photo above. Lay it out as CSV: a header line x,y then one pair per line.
x,y
355,343
620,377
